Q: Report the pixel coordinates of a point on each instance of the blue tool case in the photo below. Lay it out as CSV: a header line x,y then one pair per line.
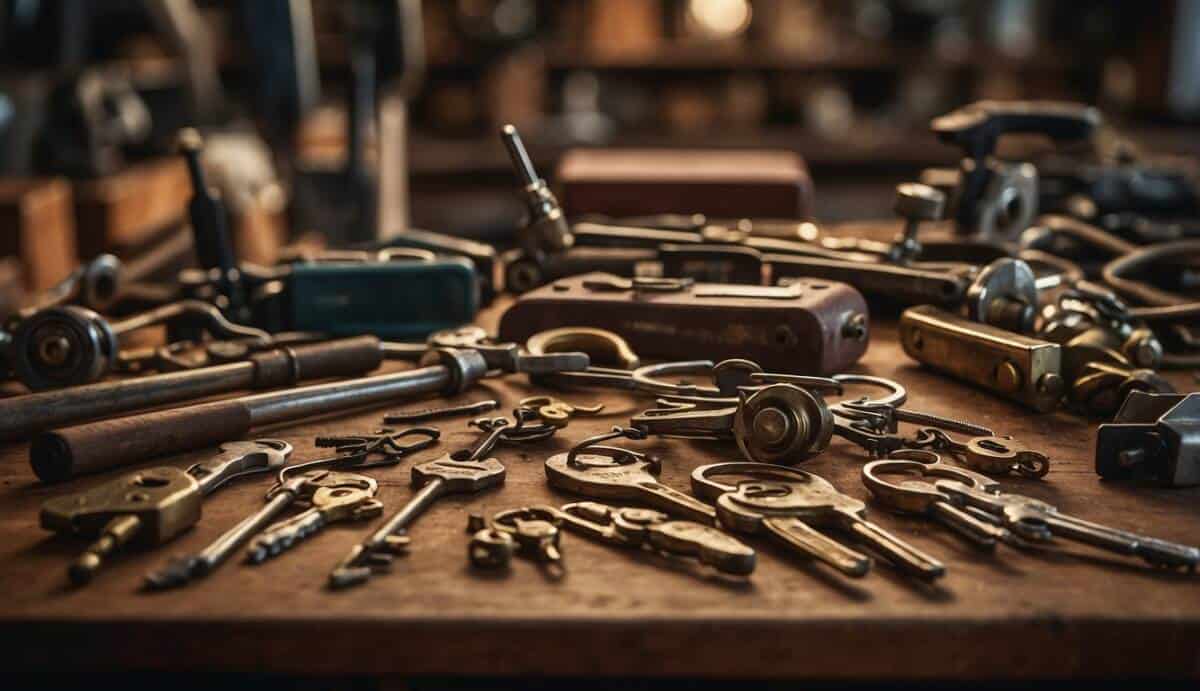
x,y
392,300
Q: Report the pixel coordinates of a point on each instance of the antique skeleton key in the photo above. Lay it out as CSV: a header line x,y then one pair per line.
x,y
614,473
328,505
801,498
656,531
179,571
990,454
903,483
463,472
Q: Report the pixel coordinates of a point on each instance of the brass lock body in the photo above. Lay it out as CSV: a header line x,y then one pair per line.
x,y
1018,367
165,501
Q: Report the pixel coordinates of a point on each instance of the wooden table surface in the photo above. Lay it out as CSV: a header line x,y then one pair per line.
x,y
1069,612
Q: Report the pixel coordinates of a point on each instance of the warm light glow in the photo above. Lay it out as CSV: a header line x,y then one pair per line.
x,y
719,18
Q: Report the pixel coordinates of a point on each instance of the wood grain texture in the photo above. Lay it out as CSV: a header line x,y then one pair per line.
x,y
1073,612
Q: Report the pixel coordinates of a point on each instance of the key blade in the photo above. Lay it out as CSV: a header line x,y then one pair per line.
x,y
1168,554
817,545
903,555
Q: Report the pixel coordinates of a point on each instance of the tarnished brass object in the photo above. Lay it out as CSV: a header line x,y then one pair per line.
x,y
605,348
1024,369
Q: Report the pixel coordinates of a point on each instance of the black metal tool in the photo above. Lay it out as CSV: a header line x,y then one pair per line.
x,y
1153,437
210,228
72,345
992,198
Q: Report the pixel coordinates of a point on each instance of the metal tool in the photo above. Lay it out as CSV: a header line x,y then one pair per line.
x,y
557,412
152,506
545,229
994,288
991,198
327,505
93,285
22,416
786,502
462,472
91,447
179,571
1021,368
500,355
298,482
988,454
1166,310
72,345
408,416
910,492
609,472
210,229
1036,521
1152,438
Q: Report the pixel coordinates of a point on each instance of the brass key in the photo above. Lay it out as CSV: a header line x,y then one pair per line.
x,y
800,498
180,570
614,473
329,505
988,454
904,482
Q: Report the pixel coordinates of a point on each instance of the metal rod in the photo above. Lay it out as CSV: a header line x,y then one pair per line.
x,y
22,416
518,155
64,453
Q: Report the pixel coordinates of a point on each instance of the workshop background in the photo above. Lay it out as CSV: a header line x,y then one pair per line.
x,y
334,123
93,94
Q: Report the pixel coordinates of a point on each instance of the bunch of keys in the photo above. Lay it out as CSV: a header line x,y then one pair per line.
x,y
534,531
955,494
466,471
786,502
300,483
152,506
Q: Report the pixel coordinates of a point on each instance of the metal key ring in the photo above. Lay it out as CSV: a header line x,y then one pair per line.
x,y
618,455
646,378
896,397
915,494
708,489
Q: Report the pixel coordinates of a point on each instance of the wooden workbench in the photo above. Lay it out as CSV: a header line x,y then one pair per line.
x,y
1074,612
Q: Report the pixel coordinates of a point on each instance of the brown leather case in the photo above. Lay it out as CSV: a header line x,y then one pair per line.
x,y
819,328
718,183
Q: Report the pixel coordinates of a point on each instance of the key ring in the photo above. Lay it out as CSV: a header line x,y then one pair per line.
x,y
618,455
521,432
703,477
356,451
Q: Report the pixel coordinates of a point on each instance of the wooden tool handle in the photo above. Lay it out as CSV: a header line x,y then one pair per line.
x,y
62,454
